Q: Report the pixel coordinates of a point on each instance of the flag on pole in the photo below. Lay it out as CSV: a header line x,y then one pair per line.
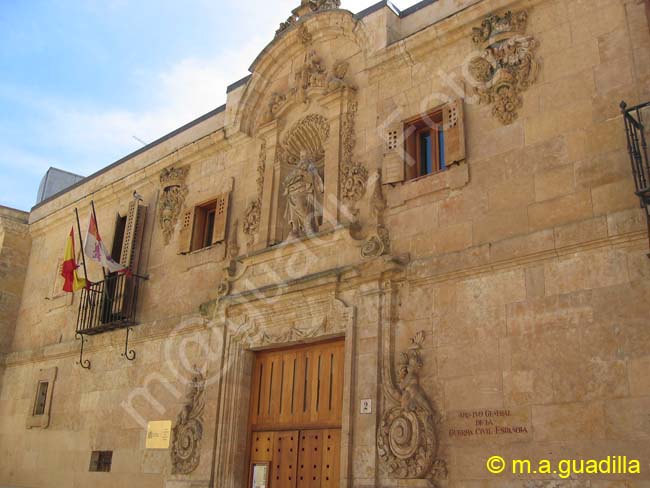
x,y
94,249
69,269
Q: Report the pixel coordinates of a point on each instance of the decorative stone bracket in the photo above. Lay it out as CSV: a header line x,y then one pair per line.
x,y
407,438
188,431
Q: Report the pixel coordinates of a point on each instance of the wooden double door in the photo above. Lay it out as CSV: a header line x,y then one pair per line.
x,y
295,416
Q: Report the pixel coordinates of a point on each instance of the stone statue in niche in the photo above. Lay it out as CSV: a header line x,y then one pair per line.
x,y
303,189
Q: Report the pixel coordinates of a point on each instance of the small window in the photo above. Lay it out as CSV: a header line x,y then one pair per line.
x,y
39,413
425,145
101,461
41,398
204,225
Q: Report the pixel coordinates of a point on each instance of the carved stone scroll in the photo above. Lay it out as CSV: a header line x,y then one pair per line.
x,y
407,438
188,431
378,242
507,65
173,192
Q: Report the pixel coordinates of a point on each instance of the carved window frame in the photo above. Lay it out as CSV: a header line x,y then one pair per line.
x,y
42,421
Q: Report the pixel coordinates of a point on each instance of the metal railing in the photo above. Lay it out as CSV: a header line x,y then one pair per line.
x,y
637,143
108,305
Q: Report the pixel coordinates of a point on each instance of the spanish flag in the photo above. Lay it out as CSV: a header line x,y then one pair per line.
x,y
69,269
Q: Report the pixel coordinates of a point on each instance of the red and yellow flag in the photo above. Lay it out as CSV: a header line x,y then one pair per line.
x,y
69,269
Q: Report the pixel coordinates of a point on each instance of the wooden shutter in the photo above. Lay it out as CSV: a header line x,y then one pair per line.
x,y
393,162
220,218
187,230
133,236
454,130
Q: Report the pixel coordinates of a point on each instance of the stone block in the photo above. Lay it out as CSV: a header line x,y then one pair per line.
x,y
569,422
554,183
560,211
581,232
500,225
511,194
585,272
614,197
627,419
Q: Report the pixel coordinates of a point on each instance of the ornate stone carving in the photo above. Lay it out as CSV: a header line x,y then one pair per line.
x,y
173,193
407,439
507,65
311,76
354,176
335,321
303,189
336,80
307,7
378,243
188,431
305,36
309,134
253,213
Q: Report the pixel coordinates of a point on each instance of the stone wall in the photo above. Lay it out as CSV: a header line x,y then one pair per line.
x,y
14,255
524,266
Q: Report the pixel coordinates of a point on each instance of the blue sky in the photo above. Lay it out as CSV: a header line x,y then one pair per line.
x,y
80,78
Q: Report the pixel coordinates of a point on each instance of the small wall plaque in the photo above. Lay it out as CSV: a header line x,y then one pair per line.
x,y
159,434
260,475
366,407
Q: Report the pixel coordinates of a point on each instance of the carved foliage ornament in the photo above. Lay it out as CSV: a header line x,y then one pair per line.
x,y
173,192
188,431
253,212
506,66
354,176
378,243
407,439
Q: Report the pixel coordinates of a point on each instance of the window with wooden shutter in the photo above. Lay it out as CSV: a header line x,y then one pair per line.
x,y
220,218
187,230
454,130
204,225
133,236
393,162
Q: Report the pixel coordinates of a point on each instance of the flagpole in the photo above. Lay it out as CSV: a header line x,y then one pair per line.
x,y
83,254
92,205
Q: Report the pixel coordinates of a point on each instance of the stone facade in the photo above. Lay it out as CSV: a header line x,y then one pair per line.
x,y
499,307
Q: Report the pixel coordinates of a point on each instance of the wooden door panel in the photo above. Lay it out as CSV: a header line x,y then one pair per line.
x,y
299,388
262,446
331,471
284,465
310,459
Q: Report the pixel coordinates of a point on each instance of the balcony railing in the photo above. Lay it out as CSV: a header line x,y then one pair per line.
x,y
636,127
108,305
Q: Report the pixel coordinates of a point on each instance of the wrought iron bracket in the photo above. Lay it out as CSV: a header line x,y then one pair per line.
x,y
128,354
84,363
637,145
